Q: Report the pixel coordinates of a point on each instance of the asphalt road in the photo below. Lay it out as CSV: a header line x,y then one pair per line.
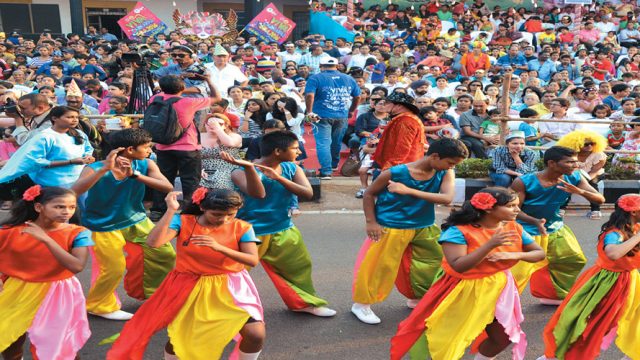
x,y
333,240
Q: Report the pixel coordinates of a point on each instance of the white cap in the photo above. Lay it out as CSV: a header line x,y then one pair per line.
x,y
331,61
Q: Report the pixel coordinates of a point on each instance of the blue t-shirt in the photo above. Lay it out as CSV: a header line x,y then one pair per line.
x,y
333,94
405,211
529,130
115,204
378,78
545,202
83,239
271,214
249,236
454,235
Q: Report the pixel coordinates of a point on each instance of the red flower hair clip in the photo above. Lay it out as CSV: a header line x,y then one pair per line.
x,y
483,201
32,193
199,195
629,202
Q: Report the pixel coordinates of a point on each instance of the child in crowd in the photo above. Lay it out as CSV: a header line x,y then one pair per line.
x,y
401,244
615,135
477,298
209,298
366,153
39,254
115,213
529,127
489,127
604,301
631,143
433,124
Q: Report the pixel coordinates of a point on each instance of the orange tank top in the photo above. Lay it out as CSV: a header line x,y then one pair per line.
x,y
202,260
25,258
625,263
475,237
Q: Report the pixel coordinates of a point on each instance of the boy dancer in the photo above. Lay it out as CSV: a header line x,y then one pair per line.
x,y
117,219
283,253
541,195
402,243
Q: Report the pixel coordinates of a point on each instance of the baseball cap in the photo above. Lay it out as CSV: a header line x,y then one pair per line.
x,y
329,61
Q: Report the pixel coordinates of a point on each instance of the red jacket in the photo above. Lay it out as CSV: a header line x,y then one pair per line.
x,y
402,141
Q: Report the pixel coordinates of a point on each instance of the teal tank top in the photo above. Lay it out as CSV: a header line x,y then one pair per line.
x,y
545,202
404,211
115,204
271,214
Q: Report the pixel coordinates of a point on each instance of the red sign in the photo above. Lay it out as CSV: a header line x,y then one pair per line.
x,y
141,22
270,25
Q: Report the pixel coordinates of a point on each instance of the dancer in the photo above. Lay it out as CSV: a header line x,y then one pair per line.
x,y
39,254
283,253
605,301
402,238
542,194
117,218
476,298
209,298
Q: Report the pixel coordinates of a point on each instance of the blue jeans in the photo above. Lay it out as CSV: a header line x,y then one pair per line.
x,y
328,134
503,180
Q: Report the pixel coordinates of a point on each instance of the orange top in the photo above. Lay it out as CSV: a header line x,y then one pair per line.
x,y
24,257
402,141
475,237
202,260
625,263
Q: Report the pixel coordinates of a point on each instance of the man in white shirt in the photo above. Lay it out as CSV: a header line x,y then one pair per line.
x,y
556,130
223,74
289,54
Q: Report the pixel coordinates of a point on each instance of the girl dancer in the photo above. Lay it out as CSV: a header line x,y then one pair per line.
x,y
477,297
209,298
39,254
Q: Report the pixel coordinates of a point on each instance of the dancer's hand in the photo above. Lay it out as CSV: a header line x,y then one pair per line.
x,y
375,231
571,189
541,228
36,231
502,256
110,161
231,160
205,240
503,237
268,172
398,188
172,200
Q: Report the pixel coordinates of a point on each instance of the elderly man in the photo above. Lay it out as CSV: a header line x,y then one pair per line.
x,y
470,122
326,97
314,58
74,99
223,74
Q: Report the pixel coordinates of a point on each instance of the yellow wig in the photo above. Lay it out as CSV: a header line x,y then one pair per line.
x,y
575,140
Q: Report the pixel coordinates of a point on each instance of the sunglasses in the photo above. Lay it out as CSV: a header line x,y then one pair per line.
x,y
179,55
290,69
589,144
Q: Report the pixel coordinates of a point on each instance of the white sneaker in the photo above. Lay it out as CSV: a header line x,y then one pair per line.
x,y
321,311
118,315
412,303
365,314
168,356
553,302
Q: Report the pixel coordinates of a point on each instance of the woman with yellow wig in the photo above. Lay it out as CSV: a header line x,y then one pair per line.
x,y
591,159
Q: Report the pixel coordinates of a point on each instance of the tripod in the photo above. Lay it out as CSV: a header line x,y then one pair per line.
x,y
141,90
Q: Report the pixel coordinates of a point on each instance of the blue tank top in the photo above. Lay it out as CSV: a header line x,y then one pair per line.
x,y
404,211
545,202
113,204
271,214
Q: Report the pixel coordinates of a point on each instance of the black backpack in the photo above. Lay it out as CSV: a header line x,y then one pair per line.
x,y
161,121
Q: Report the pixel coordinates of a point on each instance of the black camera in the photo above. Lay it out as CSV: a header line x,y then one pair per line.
x,y
196,69
10,107
139,59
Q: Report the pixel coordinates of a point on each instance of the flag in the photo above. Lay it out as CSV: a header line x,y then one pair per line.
x,y
141,22
270,25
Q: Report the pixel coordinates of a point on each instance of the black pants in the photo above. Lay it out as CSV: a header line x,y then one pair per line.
x,y
13,190
475,146
174,163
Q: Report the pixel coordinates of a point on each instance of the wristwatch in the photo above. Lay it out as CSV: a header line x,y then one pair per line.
x,y
135,174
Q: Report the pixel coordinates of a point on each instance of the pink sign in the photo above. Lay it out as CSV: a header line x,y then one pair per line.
x,y
141,22
270,25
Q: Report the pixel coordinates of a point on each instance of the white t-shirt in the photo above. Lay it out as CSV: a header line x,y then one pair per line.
x,y
225,78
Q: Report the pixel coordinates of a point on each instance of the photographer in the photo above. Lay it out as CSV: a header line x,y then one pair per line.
x,y
186,67
31,116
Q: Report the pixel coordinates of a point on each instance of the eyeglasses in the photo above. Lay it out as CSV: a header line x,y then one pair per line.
x,y
375,99
461,90
290,69
181,56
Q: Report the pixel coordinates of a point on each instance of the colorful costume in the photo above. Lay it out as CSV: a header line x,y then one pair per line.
x,y
40,296
402,142
283,254
458,307
553,277
408,251
604,303
117,217
204,302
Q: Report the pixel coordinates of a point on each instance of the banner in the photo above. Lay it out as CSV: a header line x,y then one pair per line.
x,y
141,22
321,23
270,25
